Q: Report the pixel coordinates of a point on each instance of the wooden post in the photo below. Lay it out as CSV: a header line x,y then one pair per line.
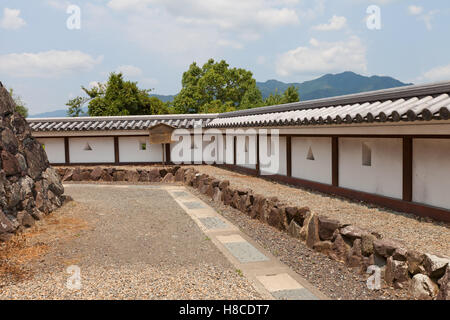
x,y
289,156
258,171
234,150
66,150
407,168
116,150
335,161
167,147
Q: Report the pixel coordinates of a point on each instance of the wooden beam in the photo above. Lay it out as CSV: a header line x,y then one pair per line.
x,y
407,168
335,161
116,150
234,150
66,150
289,156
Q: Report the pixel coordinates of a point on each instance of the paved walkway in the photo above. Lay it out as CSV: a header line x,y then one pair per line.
x,y
141,244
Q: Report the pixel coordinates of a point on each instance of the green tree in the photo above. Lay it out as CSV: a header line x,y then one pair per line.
x,y
76,106
288,96
20,105
117,97
215,87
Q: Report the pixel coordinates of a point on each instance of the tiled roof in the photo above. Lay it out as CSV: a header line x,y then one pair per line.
x,y
425,102
187,121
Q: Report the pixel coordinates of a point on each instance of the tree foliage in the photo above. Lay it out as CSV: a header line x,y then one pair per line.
x,y
20,105
117,97
215,87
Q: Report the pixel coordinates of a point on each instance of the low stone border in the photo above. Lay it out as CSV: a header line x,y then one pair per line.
x,y
425,275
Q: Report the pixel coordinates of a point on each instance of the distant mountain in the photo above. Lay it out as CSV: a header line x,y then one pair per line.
x,y
331,85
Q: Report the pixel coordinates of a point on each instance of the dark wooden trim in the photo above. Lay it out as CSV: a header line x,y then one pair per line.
x,y
93,164
385,136
239,169
335,161
289,156
167,149
407,169
387,202
234,150
66,150
258,165
116,150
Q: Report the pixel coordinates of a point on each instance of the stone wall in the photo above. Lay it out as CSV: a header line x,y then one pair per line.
x,y
426,276
29,187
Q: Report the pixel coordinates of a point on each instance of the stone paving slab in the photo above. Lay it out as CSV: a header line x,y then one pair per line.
x,y
213,223
194,205
245,252
296,294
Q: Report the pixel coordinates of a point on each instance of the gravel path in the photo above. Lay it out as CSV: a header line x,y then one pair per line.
x,y
418,234
332,278
129,242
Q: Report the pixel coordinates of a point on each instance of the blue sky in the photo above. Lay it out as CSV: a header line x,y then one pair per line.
x,y
154,41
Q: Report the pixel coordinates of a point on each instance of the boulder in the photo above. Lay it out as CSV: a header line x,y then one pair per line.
x,y
154,175
385,248
355,257
423,288
276,218
10,164
324,247
340,249
415,262
367,240
53,180
169,178
297,214
310,229
327,227
294,230
179,175
444,283
218,196
106,176
68,175
352,232
224,184
435,266
96,174
396,273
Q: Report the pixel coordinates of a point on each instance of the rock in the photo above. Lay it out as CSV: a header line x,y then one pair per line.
x,y
179,175
423,288
355,257
415,262
9,141
5,224
311,229
68,175
131,176
294,229
106,177
385,248
296,214
340,248
352,232
218,196
224,184
400,254
367,240
327,227
10,164
276,218
324,247
169,178
435,266
396,273
96,173
154,175
25,219
444,283
54,182
36,157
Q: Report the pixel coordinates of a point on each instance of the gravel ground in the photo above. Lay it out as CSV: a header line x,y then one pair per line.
x,y
129,243
419,234
332,278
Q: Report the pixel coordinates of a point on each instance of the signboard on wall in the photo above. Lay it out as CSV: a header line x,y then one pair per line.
x,y
161,133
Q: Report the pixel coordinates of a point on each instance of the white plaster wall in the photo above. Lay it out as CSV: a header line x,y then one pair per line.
x,y
431,172
278,157
130,151
319,169
54,147
102,150
383,177
246,151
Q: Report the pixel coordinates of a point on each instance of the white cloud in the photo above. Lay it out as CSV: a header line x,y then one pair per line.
x,y
129,71
261,60
335,23
229,43
415,10
438,74
322,57
11,19
48,64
